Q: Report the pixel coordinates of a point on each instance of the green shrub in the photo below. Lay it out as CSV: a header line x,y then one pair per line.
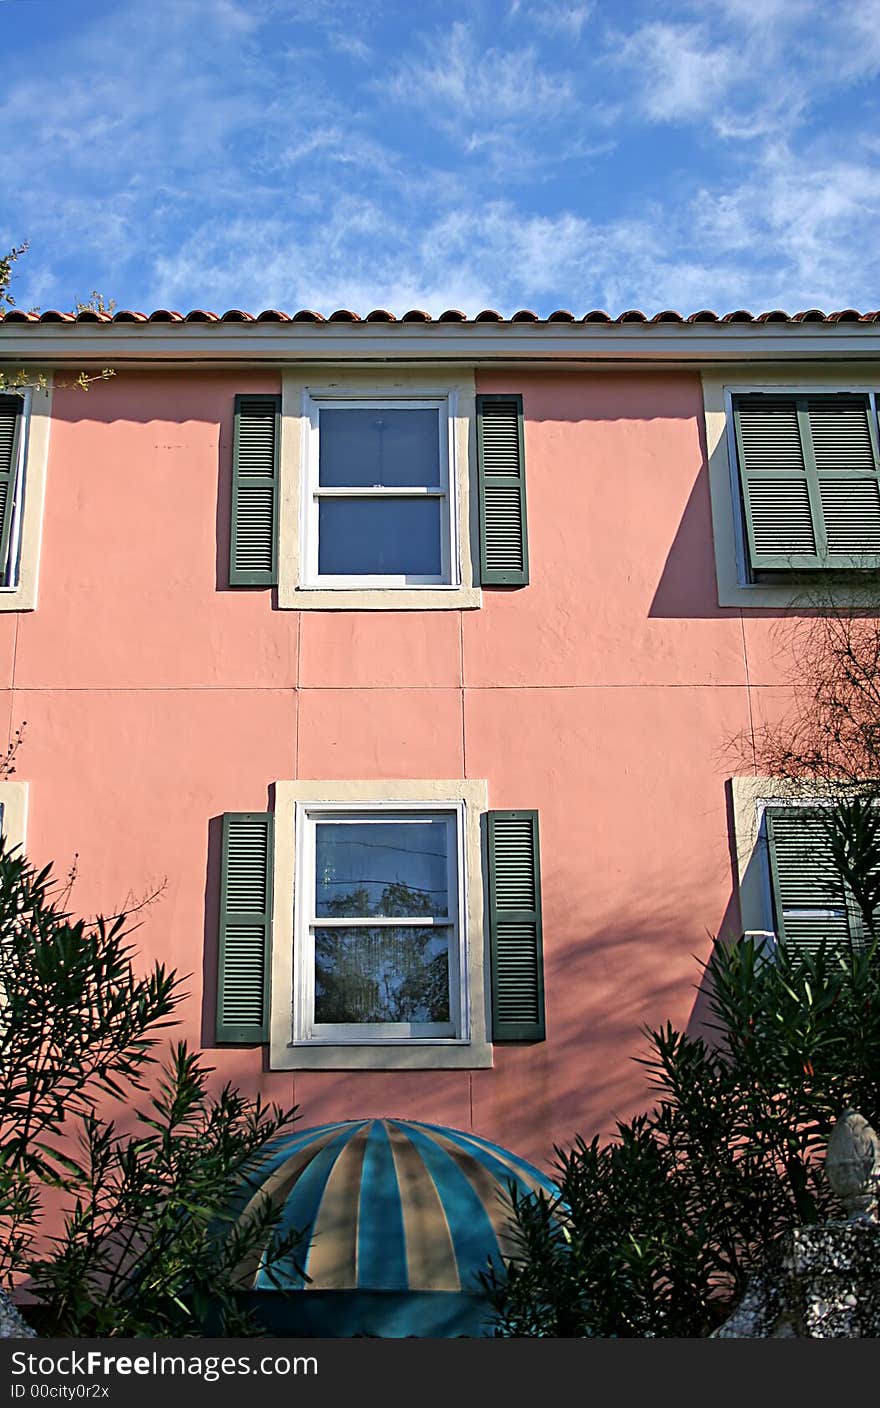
x,y
656,1231
149,1244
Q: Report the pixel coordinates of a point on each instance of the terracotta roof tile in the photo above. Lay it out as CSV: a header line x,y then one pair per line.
x,y
451,315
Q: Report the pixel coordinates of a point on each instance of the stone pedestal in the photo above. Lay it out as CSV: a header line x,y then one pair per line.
x,y
12,1326
819,1283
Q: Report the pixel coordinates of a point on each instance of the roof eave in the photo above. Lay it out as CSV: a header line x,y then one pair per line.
x,y
554,343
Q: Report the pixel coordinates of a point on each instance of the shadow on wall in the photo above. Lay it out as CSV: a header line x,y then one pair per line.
x,y
605,989
210,948
688,585
687,588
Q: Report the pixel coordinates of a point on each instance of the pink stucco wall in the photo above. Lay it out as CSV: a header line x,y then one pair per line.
x,y
604,694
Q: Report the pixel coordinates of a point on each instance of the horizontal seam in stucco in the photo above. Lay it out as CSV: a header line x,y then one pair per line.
x,y
285,689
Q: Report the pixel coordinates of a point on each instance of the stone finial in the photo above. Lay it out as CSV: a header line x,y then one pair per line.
x,y
852,1164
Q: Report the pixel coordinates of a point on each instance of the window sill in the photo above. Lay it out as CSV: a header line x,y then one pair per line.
x,y
20,598
379,598
807,596
419,1056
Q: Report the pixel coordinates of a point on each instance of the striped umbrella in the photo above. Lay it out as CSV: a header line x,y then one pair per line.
x,y
387,1205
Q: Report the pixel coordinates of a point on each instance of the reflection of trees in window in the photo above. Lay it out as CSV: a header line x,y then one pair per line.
x,y
398,900
382,973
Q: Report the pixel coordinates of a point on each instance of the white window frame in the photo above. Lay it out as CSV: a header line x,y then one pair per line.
x,y
444,489
29,493
728,530
13,812
293,1044
303,392
305,922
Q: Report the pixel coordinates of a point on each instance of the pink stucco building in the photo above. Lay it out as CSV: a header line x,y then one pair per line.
x,y
453,621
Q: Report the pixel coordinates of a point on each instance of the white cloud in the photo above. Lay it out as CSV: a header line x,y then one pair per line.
x,y
781,238
680,72
812,216
566,20
753,69
860,51
457,83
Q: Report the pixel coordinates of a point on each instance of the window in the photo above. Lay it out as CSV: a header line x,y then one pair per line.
x,y
794,477
407,493
353,931
24,443
809,478
379,507
811,903
379,960
378,492
789,886
378,941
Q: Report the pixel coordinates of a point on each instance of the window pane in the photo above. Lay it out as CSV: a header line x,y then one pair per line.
x,y
394,448
390,869
379,537
382,975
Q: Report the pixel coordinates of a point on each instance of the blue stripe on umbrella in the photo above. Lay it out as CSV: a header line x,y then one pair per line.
x,y
275,1154
304,1199
473,1236
381,1255
468,1142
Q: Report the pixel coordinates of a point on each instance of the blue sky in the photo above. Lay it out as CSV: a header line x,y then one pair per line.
x,y
499,153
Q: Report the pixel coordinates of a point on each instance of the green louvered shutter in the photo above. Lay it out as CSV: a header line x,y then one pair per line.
x,y
515,926
245,927
253,550
10,433
810,900
810,481
504,548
